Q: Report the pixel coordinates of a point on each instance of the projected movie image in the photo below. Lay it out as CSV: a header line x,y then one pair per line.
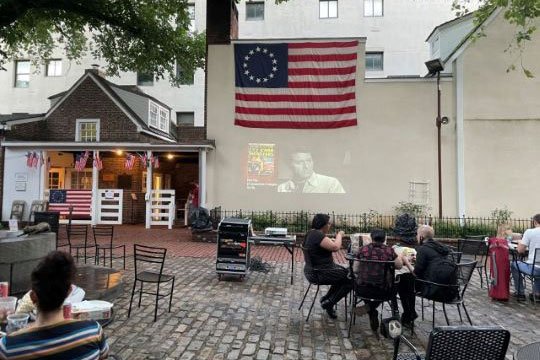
x,y
300,170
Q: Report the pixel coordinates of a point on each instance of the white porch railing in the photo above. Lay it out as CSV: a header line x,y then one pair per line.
x,y
110,207
162,203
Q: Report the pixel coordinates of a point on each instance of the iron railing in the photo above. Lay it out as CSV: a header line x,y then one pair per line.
x,y
446,227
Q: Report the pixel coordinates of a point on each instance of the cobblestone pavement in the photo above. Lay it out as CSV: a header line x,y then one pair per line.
x,y
258,318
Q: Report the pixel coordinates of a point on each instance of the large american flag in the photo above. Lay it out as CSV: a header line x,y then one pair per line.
x,y
62,200
304,85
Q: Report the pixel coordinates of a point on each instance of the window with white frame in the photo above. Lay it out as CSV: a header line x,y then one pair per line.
x,y
22,73
255,10
158,117
373,8
191,15
374,61
328,9
87,130
54,67
419,192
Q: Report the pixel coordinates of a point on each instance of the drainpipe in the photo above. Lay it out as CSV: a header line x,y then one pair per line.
x,y
460,136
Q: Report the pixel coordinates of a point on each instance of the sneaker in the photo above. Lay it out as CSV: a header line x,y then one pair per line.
x,y
374,320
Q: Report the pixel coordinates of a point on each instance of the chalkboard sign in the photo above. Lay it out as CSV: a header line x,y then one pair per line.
x,y
124,182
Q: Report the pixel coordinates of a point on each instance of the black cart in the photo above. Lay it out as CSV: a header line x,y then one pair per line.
x,y
233,247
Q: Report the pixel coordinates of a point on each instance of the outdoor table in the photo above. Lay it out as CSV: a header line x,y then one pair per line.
x,y
99,283
528,352
288,242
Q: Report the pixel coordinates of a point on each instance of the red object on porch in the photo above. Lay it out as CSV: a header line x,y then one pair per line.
x,y
80,200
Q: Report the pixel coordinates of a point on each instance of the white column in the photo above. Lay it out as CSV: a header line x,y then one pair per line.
x,y
460,136
95,192
202,177
148,196
43,175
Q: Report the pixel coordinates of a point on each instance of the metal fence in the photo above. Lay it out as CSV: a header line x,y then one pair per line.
x,y
446,227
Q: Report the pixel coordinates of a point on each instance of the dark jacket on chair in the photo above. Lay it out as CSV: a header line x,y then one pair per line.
x,y
426,254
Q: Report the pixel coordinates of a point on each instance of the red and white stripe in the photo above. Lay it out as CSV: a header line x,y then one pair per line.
x,y
81,200
321,90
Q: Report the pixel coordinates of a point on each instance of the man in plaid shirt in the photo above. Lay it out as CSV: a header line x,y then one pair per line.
x,y
370,278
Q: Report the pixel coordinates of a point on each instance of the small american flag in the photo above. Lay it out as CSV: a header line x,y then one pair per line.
x,y
98,163
130,161
302,85
35,159
144,160
49,164
80,200
155,162
29,159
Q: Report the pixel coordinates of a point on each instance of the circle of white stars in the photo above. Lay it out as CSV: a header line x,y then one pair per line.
x,y
265,52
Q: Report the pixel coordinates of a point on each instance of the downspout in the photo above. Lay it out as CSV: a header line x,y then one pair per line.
x,y
460,136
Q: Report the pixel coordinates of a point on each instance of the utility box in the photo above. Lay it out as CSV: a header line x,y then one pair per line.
x,y
233,247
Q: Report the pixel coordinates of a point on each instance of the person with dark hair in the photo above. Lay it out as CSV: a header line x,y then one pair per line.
x,y
52,336
320,249
530,241
368,277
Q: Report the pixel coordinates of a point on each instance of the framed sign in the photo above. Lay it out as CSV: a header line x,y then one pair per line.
x,y
13,225
109,194
20,186
21,176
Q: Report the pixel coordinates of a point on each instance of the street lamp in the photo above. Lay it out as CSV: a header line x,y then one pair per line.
x,y
435,67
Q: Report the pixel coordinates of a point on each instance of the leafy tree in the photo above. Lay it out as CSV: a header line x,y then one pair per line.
x,y
130,35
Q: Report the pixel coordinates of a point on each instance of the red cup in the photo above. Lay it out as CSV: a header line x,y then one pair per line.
x,y
67,311
4,289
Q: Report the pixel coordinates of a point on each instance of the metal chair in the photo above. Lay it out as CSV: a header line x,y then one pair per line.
x,y
17,209
50,217
532,277
315,272
378,286
155,257
464,274
80,232
475,250
37,206
107,232
462,342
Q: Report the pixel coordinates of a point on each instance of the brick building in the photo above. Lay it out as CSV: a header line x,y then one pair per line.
x,y
108,123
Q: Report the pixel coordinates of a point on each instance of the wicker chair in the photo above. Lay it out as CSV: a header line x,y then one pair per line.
x,y
462,342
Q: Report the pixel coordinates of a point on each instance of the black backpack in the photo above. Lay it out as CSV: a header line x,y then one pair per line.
x,y
442,270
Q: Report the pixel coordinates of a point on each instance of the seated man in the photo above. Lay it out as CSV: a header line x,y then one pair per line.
x,y
369,279
530,240
53,337
320,248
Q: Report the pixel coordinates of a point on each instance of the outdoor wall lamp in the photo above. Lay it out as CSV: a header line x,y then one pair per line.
x,y
170,156
119,152
435,67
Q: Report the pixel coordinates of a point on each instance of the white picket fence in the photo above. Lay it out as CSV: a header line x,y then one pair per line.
x,y
162,204
109,206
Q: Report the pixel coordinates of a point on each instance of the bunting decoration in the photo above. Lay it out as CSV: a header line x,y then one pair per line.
x,y
98,163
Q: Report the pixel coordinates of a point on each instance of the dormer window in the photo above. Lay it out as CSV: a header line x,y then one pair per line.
x,y
158,117
87,130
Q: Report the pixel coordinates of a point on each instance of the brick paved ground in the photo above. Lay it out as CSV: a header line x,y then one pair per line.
x,y
259,318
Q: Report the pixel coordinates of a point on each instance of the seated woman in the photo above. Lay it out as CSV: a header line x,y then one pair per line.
x,y
320,249
53,337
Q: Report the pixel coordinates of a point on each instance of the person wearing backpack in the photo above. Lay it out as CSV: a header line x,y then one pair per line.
x,y
434,264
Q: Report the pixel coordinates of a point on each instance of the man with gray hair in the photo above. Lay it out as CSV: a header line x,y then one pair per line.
x,y
429,251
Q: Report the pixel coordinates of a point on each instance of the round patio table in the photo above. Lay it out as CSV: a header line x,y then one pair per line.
x,y
528,352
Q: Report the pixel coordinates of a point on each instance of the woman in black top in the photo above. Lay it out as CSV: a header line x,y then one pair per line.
x,y
320,249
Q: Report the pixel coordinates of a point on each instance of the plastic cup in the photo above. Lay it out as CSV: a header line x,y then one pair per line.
x,y
7,307
17,321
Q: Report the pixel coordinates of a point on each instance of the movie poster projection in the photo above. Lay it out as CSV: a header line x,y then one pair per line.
x,y
261,167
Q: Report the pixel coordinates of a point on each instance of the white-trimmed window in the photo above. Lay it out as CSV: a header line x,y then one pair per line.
x,y
374,61
22,73
158,116
255,10
54,67
373,8
87,130
328,9
191,14
419,193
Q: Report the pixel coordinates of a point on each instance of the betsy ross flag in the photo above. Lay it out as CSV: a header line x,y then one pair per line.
x,y
302,85
80,200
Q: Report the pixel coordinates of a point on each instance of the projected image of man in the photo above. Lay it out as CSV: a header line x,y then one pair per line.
x,y
306,180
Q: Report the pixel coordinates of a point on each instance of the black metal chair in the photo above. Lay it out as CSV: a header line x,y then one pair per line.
x,y
475,250
155,257
378,285
106,232
464,274
50,217
315,272
78,239
532,277
459,342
